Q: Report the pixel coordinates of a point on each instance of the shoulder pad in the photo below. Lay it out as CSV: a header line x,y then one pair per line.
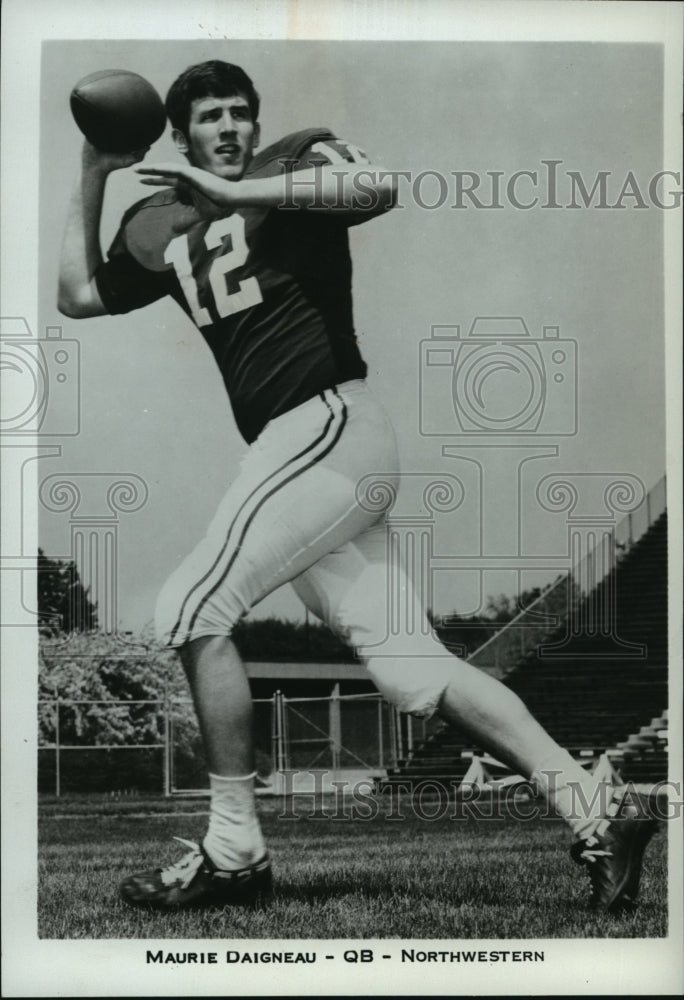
x,y
156,200
290,147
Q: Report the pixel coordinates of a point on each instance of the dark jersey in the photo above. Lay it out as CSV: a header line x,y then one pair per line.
x,y
269,289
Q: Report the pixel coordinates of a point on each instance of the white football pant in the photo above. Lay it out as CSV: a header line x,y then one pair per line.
x,y
293,514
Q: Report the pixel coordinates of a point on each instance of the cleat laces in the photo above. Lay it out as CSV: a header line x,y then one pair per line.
x,y
591,855
586,851
184,871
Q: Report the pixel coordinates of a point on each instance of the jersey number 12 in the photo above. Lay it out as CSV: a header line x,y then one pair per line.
x,y
248,293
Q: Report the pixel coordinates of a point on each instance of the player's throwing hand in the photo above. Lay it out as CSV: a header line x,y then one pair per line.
x,y
97,159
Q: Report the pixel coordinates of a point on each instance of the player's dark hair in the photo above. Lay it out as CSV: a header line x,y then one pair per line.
x,y
208,79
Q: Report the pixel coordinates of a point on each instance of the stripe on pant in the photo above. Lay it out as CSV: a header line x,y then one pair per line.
x,y
275,481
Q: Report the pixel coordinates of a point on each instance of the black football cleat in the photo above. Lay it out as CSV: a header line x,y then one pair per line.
x,y
195,881
613,856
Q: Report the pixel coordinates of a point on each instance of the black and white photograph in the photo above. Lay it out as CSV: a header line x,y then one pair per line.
x,y
341,470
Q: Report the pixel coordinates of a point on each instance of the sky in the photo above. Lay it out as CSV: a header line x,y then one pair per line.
x,y
153,405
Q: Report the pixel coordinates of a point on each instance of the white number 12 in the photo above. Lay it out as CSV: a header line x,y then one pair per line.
x,y
227,303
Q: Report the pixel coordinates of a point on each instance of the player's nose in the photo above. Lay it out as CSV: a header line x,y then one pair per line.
x,y
227,124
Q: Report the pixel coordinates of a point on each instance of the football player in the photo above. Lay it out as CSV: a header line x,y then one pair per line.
x,y
253,246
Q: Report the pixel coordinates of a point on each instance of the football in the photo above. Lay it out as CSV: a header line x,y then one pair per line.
x,y
118,111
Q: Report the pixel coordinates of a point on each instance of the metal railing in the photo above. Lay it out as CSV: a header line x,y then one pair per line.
x,y
548,612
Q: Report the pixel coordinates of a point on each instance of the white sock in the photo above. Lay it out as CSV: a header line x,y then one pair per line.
x,y
577,796
234,838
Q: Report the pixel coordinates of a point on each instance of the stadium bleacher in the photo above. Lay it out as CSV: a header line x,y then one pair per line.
x,y
598,684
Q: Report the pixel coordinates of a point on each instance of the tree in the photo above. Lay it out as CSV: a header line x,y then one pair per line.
x,y
275,639
63,601
100,695
463,634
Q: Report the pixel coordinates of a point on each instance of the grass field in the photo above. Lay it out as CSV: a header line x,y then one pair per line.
x,y
381,878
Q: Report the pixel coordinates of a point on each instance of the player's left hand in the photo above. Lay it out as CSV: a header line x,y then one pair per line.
x,y
184,177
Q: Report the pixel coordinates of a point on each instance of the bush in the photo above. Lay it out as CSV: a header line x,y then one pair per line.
x,y
98,680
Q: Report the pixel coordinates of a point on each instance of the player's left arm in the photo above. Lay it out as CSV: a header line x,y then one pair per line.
x,y
359,190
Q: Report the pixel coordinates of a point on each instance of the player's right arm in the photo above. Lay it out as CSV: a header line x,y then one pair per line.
x,y
81,255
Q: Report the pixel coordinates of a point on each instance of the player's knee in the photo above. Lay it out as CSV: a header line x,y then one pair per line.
x,y
194,653
414,686
179,619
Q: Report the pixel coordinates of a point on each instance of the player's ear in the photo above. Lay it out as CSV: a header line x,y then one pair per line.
x,y
181,142
256,135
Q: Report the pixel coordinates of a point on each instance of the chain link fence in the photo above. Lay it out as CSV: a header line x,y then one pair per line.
x,y
337,734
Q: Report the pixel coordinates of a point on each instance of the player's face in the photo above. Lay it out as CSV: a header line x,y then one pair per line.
x,y
221,136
